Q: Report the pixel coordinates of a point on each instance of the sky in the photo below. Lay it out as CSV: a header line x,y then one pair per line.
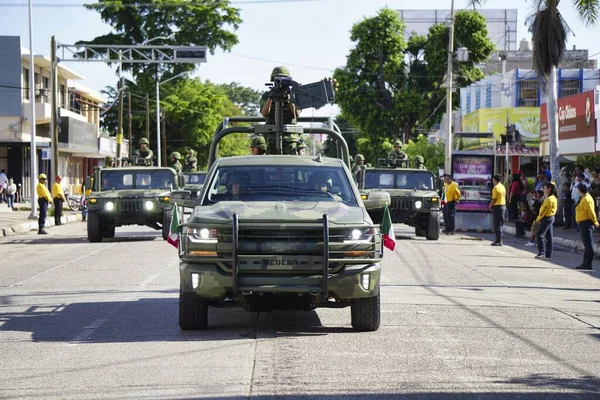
x,y
311,37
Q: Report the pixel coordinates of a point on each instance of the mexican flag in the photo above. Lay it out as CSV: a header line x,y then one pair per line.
x,y
173,238
389,237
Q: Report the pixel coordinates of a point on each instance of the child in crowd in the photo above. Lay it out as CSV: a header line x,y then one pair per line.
x,y
535,209
525,220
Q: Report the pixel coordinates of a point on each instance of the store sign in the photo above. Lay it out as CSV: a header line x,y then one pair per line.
x,y
473,174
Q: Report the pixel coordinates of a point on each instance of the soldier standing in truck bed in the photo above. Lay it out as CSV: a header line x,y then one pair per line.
x,y
397,153
191,162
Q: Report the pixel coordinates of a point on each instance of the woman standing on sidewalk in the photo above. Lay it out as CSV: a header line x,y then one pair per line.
x,y
585,217
545,233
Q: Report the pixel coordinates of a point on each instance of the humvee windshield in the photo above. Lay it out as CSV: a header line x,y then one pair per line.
x,y
398,179
194,178
118,180
280,183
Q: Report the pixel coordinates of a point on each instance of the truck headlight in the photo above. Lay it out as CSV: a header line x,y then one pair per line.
x,y
109,206
358,235
418,204
148,205
202,235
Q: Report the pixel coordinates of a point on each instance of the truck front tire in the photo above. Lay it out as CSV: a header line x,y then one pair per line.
x,y
433,227
193,312
94,229
366,314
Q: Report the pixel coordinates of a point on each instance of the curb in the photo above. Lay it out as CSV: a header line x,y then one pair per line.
x,y
558,241
33,225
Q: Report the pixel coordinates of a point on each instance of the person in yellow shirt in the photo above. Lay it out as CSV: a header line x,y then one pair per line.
x,y
58,196
498,208
585,217
44,199
452,194
545,235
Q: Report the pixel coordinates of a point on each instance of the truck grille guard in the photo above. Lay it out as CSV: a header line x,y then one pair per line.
x,y
249,244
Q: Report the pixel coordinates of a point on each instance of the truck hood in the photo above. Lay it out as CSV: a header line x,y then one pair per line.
x,y
405,192
222,212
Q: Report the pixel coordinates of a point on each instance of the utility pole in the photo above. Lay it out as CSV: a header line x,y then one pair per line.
x,y
54,108
130,127
164,140
147,117
448,152
120,118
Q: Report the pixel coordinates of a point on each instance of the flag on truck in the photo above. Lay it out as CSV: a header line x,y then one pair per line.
x,y
387,229
173,238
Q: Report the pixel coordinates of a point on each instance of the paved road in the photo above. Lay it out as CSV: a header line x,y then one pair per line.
x,y
460,320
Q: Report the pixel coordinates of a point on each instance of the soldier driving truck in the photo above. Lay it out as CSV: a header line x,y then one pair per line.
x,y
280,231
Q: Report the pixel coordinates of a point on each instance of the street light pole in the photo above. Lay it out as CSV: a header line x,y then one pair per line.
x,y
448,152
33,155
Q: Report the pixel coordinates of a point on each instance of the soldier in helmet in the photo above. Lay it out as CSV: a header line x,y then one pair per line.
x,y
191,162
109,161
420,161
359,168
290,113
258,147
302,148
176,165
144,152
397,153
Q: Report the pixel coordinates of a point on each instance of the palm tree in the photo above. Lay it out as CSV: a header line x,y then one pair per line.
x,y
549,38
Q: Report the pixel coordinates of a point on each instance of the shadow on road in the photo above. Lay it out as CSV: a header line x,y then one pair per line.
x,y
152,319
51,239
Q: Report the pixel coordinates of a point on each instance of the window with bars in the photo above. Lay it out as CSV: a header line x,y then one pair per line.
x,y
528,93
569,88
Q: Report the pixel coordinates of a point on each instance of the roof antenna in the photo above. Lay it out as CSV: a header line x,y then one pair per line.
x,y
318,158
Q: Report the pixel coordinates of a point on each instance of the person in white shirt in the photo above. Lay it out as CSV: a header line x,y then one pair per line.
x,y
3,183
11,190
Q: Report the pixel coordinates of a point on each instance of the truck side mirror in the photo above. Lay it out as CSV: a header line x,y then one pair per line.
x,y
183,198
180,181
377,200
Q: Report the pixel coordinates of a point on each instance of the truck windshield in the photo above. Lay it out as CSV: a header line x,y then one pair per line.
x,y
280,183
118,180
194,178
398,179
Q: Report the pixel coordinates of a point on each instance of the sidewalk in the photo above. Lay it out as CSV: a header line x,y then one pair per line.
x,y
17,222
566,238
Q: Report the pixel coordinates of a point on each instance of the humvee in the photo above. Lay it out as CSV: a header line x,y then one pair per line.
x,y
130,196
279,232
415,196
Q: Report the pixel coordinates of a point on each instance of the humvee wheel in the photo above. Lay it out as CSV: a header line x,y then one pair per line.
x,y
193,312
166,223
94,231
420,231
433,227
109,232
366,314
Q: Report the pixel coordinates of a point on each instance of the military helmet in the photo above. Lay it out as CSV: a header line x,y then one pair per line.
x,y
42,176
176,155
191,151
398,143
281,70
302,145
144,141
359,157
108,160
419,159
259,142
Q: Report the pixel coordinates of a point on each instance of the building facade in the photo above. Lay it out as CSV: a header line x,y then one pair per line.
x,y
78,118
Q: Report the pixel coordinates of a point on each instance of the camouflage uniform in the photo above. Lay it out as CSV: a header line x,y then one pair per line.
x,y
420,162
359,168
109,162
289,141
176,164
259,143
147,154
397,153
191,162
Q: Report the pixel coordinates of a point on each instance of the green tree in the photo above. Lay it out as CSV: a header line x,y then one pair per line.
x,y
245,98
433,153
392,89
176,22
350,134
549,36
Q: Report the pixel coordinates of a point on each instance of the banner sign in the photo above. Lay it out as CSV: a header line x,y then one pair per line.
x,y
473,174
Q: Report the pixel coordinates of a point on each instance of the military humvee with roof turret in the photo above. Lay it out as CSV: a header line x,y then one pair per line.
x,y
414,193
130,196
284,232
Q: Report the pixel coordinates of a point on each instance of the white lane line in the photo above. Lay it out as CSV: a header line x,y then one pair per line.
x,y
62,265
498,251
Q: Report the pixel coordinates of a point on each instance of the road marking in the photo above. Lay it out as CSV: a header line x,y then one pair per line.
x,y
62,265
498,251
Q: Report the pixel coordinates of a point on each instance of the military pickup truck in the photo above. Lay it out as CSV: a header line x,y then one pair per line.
x,y
279,232
130,196
415,197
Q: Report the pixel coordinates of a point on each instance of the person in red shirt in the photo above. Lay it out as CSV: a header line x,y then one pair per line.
x,y
514,196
